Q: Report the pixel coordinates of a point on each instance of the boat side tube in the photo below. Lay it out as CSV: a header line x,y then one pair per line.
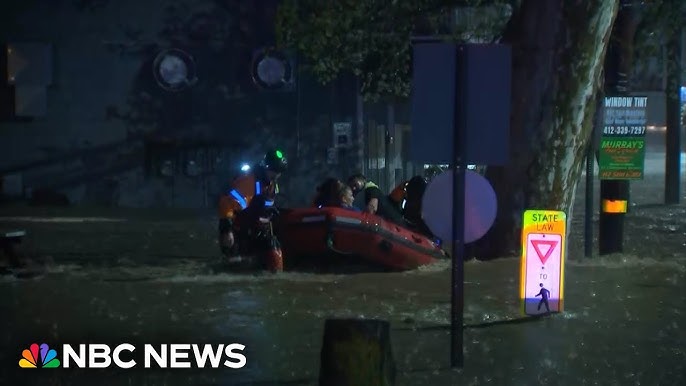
x,y
333,221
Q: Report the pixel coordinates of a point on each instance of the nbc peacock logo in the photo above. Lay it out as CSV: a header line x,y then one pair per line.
x,y
31,360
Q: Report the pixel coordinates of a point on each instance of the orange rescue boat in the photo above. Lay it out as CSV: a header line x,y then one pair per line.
x,y
329,235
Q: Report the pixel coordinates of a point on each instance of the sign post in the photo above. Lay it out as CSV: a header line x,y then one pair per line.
x,y
541,289
459,164
460,115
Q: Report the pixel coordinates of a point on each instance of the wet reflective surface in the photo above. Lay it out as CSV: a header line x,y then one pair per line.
x,y
118,276
623,324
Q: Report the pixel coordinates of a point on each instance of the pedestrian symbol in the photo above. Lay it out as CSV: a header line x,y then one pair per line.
x,y
544,294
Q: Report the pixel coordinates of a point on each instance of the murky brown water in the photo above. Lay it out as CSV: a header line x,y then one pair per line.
x,y
623,323
151,278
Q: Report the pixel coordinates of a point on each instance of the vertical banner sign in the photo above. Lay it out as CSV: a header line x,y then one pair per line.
x,y
622,141
541,287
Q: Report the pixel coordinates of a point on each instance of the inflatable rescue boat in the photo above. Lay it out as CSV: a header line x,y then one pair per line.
x,y
332,233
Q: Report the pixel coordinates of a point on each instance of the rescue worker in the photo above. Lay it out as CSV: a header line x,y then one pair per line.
x,y
240,211
398,196
407,198
375,201
412,210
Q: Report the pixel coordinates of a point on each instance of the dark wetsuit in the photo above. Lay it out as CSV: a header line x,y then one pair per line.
x,y
385,209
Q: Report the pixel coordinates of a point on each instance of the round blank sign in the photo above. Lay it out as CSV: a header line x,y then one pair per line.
x,y
481,206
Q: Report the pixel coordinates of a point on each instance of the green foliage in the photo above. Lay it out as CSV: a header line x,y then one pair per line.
x,y
660,19
661,22
368,38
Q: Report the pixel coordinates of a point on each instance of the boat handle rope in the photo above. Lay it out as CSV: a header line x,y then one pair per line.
x,y
329,238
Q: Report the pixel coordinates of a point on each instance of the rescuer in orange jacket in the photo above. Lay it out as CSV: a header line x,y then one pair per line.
x,y
238,207
407,197
398,196
410,190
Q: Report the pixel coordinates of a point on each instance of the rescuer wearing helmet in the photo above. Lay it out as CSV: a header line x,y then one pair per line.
x,y
246,201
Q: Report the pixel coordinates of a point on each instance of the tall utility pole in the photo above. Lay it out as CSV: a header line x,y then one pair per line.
x,y
618,67
673,138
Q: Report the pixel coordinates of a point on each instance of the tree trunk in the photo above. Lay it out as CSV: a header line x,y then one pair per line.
x,y
558,49
356,352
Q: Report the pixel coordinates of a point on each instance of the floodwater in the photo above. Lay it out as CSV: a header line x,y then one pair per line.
x,y
120,276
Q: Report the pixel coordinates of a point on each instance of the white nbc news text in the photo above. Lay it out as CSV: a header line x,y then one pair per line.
x,y
173,356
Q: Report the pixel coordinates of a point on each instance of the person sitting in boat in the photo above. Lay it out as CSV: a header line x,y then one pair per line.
x,y
235,207
375,201
328,193
346,198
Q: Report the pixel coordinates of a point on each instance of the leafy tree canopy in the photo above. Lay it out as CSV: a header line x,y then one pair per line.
x,y
370,38
660,17
660,21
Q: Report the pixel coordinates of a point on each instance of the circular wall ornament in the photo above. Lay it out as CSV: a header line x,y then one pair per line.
x,y
174,70
271,69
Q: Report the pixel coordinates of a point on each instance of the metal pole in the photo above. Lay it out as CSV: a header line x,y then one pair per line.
x,y
298,87
459,167
362,137
390,132
673,136
588,215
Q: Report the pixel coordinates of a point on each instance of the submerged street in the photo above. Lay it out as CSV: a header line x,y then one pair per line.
x,y
623,324
119,276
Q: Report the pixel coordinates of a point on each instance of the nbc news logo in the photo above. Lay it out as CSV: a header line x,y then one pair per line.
x,y
174,356
30,358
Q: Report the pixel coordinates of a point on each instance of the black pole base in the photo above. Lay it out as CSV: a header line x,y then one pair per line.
x,y
611,225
